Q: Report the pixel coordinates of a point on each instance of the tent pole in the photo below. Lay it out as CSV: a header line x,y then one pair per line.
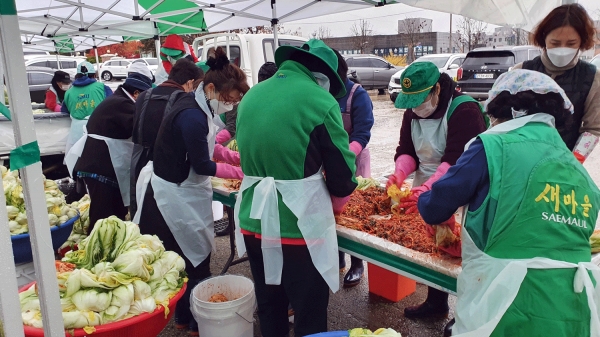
x,y
274,24
157,46
33,192
57,57
97,63
450,47
8,295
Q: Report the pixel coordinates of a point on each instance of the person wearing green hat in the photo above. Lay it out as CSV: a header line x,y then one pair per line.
x,y
285,208
437,123
81,100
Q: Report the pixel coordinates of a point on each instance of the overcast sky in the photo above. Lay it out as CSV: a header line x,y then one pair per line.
x,y
385,19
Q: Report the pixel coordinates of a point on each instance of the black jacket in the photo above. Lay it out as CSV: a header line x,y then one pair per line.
x,y
112,118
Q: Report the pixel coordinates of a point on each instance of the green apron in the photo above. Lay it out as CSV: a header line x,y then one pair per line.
x,y
526,253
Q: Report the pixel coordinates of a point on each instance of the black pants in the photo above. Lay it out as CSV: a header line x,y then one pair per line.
x,y
301,285
105,201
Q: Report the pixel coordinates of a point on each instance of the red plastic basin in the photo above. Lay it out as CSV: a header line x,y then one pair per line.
x,y
143,325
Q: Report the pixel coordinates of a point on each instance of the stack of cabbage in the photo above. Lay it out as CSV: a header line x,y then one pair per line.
x,y
360,332
120,273
81,226
59,211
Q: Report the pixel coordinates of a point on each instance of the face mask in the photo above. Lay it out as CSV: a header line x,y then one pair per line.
x,y
562,56
425,110
65,87
322,80
219,107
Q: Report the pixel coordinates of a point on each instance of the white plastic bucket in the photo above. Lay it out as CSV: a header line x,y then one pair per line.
x,y
217,209
25,273
232,318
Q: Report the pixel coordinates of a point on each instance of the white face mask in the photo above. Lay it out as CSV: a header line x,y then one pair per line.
x,y
65,87
562,56
426,109
322,80
219,107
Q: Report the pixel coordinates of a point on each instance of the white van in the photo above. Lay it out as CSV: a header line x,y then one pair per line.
x,y
247,51
67,63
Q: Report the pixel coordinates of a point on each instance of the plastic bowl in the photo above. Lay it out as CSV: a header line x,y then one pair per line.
x,y
21,244
143,325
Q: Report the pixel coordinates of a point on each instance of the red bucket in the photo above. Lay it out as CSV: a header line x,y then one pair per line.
x,y
143,325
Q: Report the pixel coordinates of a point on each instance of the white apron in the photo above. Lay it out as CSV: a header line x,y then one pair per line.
x,y
429,138
310,202
186,207
487,286
120,151
75,132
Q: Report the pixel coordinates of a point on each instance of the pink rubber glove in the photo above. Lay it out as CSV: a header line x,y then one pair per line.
x,y
224,154
356,148
405,165
223,136
410,203
338,204
227,171
57,108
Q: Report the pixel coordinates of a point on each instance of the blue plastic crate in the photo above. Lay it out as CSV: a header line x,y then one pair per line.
x,y
22,247
343,333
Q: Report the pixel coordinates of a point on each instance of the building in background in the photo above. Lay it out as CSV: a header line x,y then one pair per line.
x,y
398,44
506,36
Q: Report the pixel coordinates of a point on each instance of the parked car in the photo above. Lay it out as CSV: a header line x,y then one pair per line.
x,y
596,61
482,66
448,63
247,51
39,80
114,68
67,63
374,72
28,55
150,62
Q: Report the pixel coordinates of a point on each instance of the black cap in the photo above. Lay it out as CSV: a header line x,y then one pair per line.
x,y
61,76
266,71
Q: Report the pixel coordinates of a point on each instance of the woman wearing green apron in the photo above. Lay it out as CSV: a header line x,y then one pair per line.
x,y
437,124
526,267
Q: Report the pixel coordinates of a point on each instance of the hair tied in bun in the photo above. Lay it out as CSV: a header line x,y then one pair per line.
x,y
219,61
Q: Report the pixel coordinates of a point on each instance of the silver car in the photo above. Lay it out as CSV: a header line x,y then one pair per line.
x,y
374,72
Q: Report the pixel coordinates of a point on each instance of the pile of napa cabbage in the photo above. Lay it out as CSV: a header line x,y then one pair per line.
x,y
117,273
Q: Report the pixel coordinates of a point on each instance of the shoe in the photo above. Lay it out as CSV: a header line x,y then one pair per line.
x,y
342,261
181,326
354,275
448,328
427,309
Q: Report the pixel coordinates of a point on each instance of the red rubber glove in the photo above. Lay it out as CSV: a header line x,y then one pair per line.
x,y
410,204
454,250
227,171
224,154
338,204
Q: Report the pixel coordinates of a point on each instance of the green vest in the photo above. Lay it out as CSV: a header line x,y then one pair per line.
x,y
541,203
275,122
81,101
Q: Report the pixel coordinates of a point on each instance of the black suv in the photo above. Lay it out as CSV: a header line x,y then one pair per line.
x,y
482,66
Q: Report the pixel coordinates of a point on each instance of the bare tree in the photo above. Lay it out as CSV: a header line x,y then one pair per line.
x,y
521,37
362,33
470,33
322,33
410,29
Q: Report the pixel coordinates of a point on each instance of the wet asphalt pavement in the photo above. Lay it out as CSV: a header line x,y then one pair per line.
x,y
355,307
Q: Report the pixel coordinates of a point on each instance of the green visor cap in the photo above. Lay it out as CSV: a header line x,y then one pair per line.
x,y
174,53
417,80
202,65
319,58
